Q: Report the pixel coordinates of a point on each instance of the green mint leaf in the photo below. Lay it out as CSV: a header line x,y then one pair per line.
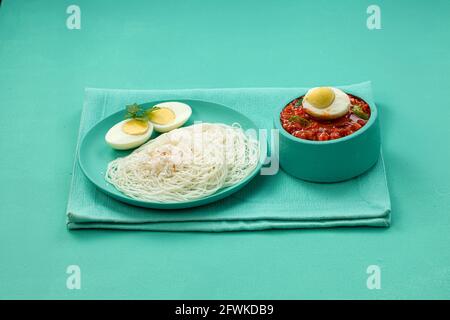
x,y
133,108
358,111
135,111
299,102
300,120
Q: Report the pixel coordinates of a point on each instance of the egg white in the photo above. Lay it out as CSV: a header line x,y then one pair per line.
x,y
338,108
182,113
120,140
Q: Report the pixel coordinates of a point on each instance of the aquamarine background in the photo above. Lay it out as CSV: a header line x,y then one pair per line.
x,y
44,68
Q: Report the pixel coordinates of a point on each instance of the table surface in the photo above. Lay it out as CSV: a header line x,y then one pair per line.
x,y
44,68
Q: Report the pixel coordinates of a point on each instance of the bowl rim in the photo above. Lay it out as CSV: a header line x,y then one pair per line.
x,y
372,119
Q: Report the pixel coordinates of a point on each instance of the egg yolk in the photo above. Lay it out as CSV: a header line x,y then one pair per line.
x,y
162,116
135,127
321,97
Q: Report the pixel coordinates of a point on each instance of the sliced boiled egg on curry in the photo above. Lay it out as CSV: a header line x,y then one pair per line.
x,y
167,116
326,103
128,134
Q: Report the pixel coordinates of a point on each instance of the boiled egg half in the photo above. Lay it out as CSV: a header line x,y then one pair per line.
x,y
167,116
326,103
128,134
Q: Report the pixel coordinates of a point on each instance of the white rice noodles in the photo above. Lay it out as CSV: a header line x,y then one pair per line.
x,y
186,164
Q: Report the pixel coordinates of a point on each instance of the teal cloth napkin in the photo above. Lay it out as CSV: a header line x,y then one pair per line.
x,y
267,202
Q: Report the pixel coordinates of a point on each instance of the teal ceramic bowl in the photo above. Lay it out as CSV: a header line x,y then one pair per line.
x,y
333,160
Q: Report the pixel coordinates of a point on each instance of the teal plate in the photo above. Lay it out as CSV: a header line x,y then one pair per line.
x,y
95,154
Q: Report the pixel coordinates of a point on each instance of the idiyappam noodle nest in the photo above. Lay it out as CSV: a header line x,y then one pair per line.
x,y
186,164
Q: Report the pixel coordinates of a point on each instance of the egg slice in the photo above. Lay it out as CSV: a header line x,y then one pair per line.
x,y
128,134
326,103
169,115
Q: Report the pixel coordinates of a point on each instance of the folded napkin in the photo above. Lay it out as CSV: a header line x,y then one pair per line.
x,y
267,202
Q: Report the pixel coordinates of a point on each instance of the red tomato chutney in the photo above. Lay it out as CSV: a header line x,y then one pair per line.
x,y
300,124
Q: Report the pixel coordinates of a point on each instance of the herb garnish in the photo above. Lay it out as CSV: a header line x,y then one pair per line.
x,y
135,111
300,120
299,102
358,111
